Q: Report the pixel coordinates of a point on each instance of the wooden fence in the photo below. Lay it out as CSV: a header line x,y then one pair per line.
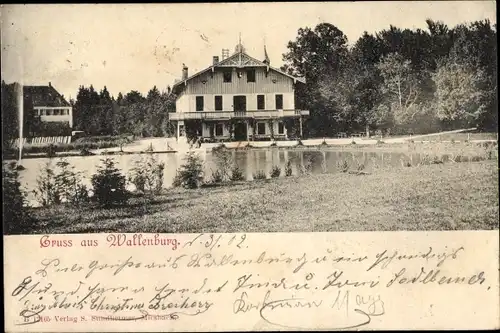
x,y
43,141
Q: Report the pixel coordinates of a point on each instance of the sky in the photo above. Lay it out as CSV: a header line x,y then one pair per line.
x,y
137,46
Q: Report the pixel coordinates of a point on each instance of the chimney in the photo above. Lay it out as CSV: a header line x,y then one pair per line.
x,y
50,84
216,60
184,72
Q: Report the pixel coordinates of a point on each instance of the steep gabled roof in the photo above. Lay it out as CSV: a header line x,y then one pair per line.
x,y
44,96
240,60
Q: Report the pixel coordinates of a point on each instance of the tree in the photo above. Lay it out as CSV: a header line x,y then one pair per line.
x,y
317,54
461,95
15,216
133,97
109,184
10,117
190,174
400,88
367,51
153,94
314,50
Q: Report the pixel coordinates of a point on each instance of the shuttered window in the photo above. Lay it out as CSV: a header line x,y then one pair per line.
x,y
199,103
218,103
279,102
261,102
251,75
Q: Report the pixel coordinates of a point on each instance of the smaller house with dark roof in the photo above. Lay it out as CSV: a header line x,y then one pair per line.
x,y
47,103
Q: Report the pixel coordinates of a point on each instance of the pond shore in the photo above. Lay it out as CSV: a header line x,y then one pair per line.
x,y
394,145
450,196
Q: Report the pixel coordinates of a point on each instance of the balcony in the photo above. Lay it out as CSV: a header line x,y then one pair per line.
x,y
226,115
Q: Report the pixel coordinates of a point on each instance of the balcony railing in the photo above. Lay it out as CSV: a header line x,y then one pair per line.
x,y
222,115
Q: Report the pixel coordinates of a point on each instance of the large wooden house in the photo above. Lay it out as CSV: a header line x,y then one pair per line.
x,y
238,98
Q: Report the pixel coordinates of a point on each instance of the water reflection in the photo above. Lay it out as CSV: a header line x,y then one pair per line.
x,y
250,161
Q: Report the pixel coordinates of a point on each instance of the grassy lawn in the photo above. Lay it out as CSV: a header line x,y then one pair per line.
x,y
450,196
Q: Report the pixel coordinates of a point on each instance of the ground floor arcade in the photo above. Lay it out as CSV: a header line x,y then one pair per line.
x,y
240,129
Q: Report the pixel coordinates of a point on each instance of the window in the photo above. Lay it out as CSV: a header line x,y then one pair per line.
x,y
56,112
219,130
49,112
251,75
199,103
281,128
218,103
279,102
227,76
261,128
261,102
41,112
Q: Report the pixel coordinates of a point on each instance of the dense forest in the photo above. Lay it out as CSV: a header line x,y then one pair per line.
x,y
396,81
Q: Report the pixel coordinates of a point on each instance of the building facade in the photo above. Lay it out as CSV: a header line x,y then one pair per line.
x,y
48,104
238,98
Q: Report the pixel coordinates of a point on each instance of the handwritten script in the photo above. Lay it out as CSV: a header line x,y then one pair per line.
x,y
197,277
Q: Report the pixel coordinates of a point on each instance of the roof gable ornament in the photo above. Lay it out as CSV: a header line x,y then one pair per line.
x,y
241,60
266,59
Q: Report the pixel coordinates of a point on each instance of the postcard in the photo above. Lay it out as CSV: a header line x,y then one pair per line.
x,y
250,166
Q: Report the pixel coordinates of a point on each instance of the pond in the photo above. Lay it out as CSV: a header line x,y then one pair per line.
x,y
249,161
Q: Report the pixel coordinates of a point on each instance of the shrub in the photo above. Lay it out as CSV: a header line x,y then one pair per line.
x,y
190,174
405,163
476,158
86,152
380,142
288,169
306,168
217,177
309,165
50,150
275,171
353,142
46,192
343,166
223,161
299,143
68,184
301,169
147,175
237,174
425,160
324,143
109,184
489,154
259,175
436,160
15,216
460,158
177,182
218,148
